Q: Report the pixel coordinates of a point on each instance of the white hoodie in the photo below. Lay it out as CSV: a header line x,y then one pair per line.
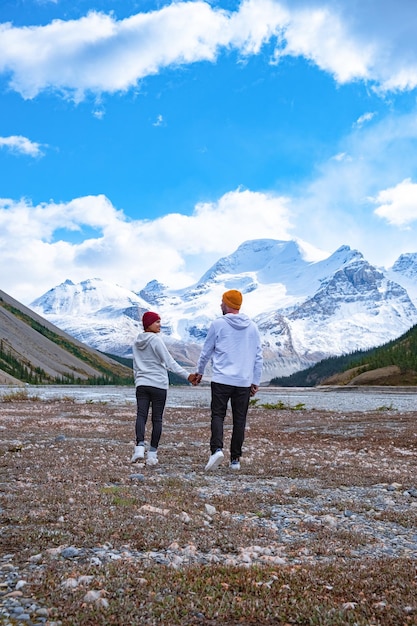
x,y
234,345
151,362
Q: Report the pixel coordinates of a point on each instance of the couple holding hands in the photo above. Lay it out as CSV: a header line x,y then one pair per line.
x,y
233,345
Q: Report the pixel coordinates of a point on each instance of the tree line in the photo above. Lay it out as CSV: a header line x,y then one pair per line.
x,y
25,371
401,352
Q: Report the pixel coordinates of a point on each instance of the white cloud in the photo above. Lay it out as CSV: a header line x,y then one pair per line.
x,y
341,156
319,35
337,207
372,40
366,117
174,249
21,145
159,121
98,53
398,205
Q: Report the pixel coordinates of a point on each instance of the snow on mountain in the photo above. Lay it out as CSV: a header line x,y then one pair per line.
x,y
100,314
357,307
89,296
404,272
306,311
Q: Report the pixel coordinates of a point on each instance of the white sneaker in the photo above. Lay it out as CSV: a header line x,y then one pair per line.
x,y
215,460
235,464
139,453
152,458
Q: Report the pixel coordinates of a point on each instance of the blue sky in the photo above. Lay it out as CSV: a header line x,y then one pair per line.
x,y
143,140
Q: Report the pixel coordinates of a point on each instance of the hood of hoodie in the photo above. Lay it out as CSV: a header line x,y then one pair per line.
x,y
143,340
239,321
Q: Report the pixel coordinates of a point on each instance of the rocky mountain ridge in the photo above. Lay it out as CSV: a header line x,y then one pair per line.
x,y
305,310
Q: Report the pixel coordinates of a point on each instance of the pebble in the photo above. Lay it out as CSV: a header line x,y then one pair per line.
x,y
138,477
293,523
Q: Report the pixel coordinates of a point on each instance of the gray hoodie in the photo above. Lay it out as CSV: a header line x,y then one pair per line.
x,y
151,362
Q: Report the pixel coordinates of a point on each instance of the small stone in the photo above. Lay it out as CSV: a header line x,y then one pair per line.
x,y
69,583
20,584
17,610
210,510
54,551
93,596
138,477
14,594
42,612
70,553
85,580
154,509
394,487
15,446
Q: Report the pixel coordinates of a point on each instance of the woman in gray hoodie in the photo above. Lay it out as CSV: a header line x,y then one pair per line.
x,y
151,362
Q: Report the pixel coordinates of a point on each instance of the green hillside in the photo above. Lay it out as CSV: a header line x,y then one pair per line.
x,y
34,351
401,353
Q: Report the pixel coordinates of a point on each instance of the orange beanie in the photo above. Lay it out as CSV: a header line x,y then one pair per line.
x,y
233,299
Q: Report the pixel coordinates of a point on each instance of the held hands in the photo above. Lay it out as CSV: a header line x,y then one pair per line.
x,y
195,379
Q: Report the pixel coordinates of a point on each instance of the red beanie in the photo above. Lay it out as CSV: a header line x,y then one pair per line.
x,y
149,318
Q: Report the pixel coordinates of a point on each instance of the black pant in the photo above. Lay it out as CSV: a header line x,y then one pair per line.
x,y
145,397
239,399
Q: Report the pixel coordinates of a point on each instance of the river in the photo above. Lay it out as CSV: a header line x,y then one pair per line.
x,y
340,399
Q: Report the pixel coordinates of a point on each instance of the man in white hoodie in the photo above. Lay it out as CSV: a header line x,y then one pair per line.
x,y
233,344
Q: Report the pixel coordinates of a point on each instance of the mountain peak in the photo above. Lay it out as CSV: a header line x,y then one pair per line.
x,y
406,264
84,298
153,292
258,256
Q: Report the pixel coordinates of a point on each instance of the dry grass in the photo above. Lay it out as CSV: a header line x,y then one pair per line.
x,y
65,480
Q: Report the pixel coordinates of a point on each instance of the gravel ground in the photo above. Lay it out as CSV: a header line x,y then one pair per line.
x,y
314,487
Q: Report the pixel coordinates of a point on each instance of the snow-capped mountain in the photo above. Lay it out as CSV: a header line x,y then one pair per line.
x,y
404,272
96,312
306,311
